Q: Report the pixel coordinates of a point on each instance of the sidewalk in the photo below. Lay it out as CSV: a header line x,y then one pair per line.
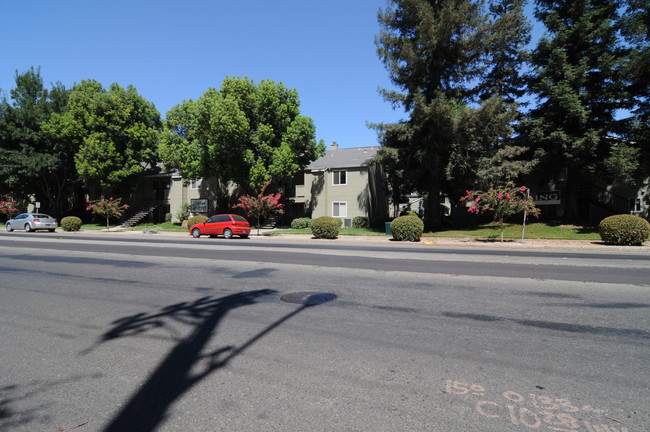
x,y
471,242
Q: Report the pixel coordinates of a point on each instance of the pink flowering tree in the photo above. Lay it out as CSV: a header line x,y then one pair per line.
x,y
8,207
504,201
108,208
260,206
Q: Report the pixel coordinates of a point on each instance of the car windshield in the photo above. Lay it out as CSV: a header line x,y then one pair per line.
x,y
239,218
44,216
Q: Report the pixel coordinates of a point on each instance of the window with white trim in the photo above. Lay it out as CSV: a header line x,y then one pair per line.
x,y
195,184
340,209
339,177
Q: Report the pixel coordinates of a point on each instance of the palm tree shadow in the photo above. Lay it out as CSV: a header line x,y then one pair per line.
x,y
177,373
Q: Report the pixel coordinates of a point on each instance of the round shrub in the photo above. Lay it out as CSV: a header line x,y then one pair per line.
x,y
71,223
360,222
624,229
325,227
301,223
407,228
196,219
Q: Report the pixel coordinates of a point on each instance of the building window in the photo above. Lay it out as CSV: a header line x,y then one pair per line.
x,y
340,209
339,178
635,205
195,184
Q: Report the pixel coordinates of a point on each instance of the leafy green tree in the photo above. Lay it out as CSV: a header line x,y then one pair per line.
x,y
32,161
431,51
484,151
115,131
576,78
244,132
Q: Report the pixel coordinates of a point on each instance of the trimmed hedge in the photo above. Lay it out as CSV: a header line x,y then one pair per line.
x,y
360,222
407,228
624,229
196,219
301,223
325,227
71,223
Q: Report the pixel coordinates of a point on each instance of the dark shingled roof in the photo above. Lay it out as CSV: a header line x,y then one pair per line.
x,y
344,158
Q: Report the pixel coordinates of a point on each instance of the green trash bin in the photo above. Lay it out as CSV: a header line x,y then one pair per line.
x,y
388,231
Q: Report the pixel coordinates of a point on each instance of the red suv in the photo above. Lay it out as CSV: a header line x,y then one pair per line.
x,y
223,224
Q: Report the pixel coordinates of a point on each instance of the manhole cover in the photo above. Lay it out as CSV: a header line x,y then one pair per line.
x,y
308,298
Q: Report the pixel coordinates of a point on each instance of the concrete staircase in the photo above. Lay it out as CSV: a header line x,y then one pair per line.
x,y
141,214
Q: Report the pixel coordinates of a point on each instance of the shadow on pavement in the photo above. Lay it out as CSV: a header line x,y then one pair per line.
x,y
177,372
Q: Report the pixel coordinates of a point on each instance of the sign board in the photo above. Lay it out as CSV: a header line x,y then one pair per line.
x,y
37,205
546,198
199,205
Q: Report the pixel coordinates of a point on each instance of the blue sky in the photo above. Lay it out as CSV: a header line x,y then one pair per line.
x,y
171,51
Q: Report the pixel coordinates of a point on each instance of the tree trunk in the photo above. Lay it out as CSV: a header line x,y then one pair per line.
x,y
571,199
432,210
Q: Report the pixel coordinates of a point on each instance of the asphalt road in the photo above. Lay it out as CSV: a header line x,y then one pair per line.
x,y
150,334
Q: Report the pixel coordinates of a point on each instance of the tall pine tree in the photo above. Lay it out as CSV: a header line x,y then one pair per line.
x,y
636,30
487,152
431,50
576,78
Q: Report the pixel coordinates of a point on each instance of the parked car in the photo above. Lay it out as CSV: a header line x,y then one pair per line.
x,y
223,224
31,222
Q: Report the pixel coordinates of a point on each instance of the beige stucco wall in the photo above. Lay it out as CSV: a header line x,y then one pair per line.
x,y
220,197
319,193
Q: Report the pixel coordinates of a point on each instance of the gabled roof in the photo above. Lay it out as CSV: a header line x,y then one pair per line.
x,y
344,158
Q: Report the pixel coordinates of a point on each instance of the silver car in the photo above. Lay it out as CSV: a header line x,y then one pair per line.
x,y
31,222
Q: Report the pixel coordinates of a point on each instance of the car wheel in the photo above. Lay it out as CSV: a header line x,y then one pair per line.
x,y
51,230
243,236
196,233
8,227
227,233
28,228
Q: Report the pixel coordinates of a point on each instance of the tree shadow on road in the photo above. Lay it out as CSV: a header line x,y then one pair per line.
x,y
186,364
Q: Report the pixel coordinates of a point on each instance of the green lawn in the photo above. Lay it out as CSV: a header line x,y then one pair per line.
x,y
533,231
512,231
167,226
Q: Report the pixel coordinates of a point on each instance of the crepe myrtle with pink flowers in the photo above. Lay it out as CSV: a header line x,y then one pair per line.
x,y
109,208
261,206
8,207
504,201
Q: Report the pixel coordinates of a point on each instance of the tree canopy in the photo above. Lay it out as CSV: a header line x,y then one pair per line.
x,y
33,162
576,78
115,132
459,68
435,53
244,132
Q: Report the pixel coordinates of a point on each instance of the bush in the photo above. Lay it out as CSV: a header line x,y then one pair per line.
x,y
196,219
183,213
407,228
624,229
71,223
360,222
325,227
301,223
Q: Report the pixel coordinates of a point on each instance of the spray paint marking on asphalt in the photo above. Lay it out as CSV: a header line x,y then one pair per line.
x,y
533,411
